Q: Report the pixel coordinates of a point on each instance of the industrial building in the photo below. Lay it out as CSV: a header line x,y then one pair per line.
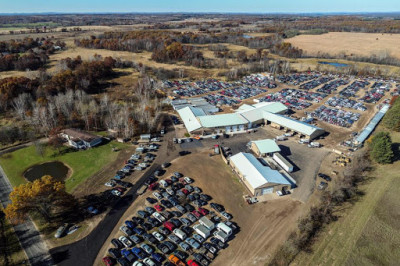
x,y
264,147
198,122
259,179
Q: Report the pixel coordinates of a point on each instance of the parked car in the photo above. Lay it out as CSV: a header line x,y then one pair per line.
x,y
217,207
192,263
174,238
148,249
151,200
157,257
130,224
149,262
322,185
184,246
159,217
181,208
143,214
188,179
115,253
198,238
138,231
210,247
61,230
226,215
165,165
126,230
158,236
150,210
191,217
116,243
108,261
139,253
157,195
125,241
163,230
217,242
135,239
325,177
193,243
185,221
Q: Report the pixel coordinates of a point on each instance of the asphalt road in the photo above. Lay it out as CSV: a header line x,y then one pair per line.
x,y
35,248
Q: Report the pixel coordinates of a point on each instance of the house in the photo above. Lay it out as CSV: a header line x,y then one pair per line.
x,y
264,147
259,179
144,138
80,139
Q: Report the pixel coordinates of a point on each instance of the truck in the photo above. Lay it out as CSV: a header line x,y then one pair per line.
x,y
141,190
314,145
207,223
288,167
304,141
216,149
223,227
179,233
281,138
220,235
203,231
128,255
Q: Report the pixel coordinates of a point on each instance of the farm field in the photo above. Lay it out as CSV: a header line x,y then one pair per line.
x,y
334,43
84,164
367,233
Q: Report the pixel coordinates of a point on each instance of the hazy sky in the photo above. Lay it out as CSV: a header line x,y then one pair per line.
x,y
253,6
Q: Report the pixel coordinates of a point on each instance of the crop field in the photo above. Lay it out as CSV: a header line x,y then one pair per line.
x,y
350,43
368,232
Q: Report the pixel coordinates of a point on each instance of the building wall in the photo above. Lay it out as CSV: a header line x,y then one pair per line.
x,y
255,149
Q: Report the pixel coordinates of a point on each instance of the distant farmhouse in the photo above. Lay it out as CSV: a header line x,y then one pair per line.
x,y
80,139
197,121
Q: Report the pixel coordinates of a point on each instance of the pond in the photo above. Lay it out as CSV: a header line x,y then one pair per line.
x,y
56,169
334,64
247,36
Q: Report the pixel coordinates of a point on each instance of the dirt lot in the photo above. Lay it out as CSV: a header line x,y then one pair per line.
x,y
262,226
364,44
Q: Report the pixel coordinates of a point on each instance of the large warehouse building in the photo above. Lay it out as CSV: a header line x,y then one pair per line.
x,y
247,116
259,179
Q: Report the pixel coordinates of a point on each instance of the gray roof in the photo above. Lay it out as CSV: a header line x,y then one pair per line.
x,y
292,124
372,124
189,118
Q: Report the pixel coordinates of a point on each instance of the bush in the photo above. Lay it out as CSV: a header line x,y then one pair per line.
x,y
392,118
381,148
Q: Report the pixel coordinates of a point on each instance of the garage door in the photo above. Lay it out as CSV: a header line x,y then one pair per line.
x,y
234,128
227,129
241,128
267,190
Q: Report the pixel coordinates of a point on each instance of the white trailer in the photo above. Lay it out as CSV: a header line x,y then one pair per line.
x,y
202,230
207,223
288,167
224,228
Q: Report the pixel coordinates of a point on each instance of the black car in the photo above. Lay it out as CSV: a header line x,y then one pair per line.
x,y
163,230
181,208
163,248
150,180
183,153
153,221
325,177
165,165
150,238
189,207
123,262
176,186
151,200
143,214
205,197
177,174
176,213
166,203
135,239
200,258
174,179
191,197
176,222
196,196
157,173
115,253
116,243
170,245
217,242
137,220
180,255
146,226
210,247
174,201
187,230
217,207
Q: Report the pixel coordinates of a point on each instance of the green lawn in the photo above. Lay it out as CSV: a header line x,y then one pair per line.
x,y
368,232
84,164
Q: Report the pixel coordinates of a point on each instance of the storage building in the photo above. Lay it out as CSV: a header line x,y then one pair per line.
x,y
265,147
259,179
288,167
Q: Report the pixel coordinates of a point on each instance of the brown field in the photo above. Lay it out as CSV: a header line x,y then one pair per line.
x,y
334,43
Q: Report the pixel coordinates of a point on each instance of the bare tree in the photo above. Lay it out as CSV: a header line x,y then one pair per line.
x,y
20,104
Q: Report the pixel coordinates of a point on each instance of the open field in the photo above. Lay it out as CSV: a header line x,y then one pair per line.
x,y
349,43
367,232
262,226
84,164
11,252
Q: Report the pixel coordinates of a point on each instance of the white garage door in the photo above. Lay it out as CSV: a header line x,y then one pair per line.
x,y
227,129
267,190
241,128
234,128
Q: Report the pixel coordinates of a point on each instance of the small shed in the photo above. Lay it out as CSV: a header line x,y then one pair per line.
x,y
264,147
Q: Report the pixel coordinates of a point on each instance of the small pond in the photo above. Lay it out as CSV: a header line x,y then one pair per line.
x,y
334,64
247,36
58,170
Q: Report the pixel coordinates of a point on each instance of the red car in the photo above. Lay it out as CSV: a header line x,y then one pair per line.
x,y
153,186
202,211
158,208
185,191
120,189
169,181
170,226
108,261
182,180
196,213
192,263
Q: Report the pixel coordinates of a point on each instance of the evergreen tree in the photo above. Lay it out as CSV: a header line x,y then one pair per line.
x,y
381,148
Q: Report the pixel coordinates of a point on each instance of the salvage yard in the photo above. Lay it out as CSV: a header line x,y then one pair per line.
x,y
218,181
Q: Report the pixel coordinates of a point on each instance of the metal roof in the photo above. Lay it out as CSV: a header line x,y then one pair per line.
x,y
254,172
267,146
372,124
292,124
188,115
222,120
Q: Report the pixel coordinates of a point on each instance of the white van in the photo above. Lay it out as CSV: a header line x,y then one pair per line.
x,y
179,233
224,228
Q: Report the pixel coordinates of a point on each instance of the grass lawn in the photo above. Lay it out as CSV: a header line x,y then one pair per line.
x,y
84,164
367,233
10,249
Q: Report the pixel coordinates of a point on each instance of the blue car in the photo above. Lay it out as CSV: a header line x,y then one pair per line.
x,y
118,177
130,224
157,257
139,253
127,254
138,231
92,210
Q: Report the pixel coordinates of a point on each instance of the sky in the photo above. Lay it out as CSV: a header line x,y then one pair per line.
x,y
223,6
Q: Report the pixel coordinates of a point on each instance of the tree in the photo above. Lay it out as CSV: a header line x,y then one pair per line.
x,y
381,148
42,196
56,142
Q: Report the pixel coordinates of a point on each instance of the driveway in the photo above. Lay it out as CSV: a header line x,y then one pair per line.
x,y
30,239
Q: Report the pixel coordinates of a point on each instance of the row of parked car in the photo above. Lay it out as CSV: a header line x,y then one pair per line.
x,y
335,116
164,232
316,82
341,102
297,78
